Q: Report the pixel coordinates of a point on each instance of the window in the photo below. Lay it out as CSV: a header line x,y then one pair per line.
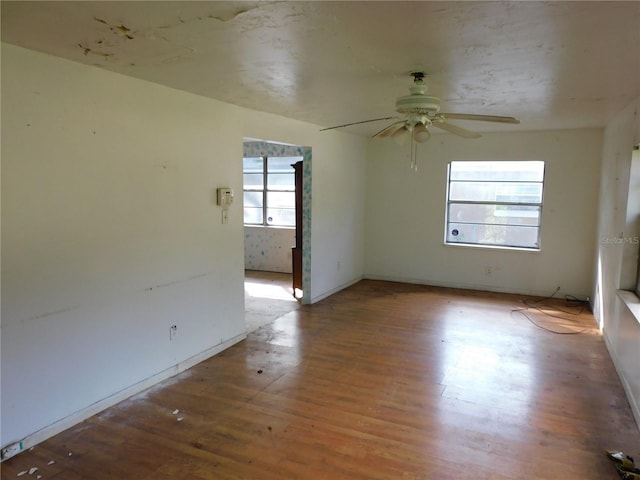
x,y
638,276
633,209
495,203
269,191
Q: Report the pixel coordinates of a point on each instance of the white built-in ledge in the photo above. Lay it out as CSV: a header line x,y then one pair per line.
x,y
632,301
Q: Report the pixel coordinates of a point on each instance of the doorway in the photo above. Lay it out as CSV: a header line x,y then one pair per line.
x,y
271,237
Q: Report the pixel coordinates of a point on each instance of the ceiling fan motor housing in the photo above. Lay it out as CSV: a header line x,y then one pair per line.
x,y
418,102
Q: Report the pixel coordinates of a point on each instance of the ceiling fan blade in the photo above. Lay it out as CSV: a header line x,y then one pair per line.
x,y
401,135
390,129
358,123
456,130
482,118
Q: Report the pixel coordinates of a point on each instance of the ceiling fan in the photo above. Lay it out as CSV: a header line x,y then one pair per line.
x,y
420,112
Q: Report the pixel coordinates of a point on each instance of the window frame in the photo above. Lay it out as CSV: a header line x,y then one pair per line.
x,y
265,190
638,275
539,205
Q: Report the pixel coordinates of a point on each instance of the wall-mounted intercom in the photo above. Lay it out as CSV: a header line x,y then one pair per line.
x,y
225,197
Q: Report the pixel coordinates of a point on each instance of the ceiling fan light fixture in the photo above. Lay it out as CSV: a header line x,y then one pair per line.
x,y
421,133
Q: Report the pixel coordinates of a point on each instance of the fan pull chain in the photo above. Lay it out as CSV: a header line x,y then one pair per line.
x,y
414,156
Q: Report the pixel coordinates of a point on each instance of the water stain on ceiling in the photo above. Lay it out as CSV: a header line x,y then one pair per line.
x,y
552,64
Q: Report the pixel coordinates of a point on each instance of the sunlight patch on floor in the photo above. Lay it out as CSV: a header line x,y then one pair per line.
x,y
274,292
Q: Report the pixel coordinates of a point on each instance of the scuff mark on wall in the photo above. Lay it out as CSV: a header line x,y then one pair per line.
x,y
50,314
175,282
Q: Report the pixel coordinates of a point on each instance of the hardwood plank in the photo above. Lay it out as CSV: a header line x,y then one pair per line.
x,y
382,380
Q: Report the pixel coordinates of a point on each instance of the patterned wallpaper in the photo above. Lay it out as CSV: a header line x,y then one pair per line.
x,y
268,248
263,241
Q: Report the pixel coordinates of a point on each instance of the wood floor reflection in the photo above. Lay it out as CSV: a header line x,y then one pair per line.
x,y
380,381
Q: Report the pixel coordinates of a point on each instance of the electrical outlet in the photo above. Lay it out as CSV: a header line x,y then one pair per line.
x,y
11,450
173,332
488,270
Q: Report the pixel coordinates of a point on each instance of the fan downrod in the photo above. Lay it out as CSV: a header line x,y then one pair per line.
x,y
418,77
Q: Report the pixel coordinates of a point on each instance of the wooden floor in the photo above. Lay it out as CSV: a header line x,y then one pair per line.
x,y
267,296
380,381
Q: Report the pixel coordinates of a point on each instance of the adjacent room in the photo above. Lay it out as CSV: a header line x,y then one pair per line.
x,y
459,239
272,203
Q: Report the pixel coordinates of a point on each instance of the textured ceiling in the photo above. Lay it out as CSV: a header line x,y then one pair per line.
x,y
551,64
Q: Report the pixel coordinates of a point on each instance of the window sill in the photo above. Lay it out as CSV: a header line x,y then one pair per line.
x,y
632,301
492,247
270,226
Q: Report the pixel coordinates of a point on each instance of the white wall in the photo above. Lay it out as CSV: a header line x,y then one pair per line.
x,y
111,234
406,214
338,214
620,327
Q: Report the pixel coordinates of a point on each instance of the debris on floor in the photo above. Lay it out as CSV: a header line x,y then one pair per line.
x,y
31,471
624,464
176,412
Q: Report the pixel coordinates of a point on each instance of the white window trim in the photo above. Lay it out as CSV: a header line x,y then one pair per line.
x,y
447,243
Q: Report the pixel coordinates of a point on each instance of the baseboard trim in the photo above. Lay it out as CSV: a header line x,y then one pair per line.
x,y
633,402
461,286
335,290
95,408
